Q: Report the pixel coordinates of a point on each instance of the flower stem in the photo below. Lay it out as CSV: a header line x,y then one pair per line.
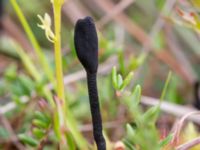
x,y
64,115
58,54
59,72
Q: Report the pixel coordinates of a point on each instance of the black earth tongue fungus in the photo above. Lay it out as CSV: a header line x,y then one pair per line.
x,y
197,94
86,45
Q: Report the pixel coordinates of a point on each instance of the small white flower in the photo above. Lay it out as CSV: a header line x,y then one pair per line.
x,y
46,26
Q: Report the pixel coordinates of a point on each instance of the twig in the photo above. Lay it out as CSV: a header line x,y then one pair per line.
x,y
170,108
176,50
114,12
159,23
166,57
190,144
179,126
132,28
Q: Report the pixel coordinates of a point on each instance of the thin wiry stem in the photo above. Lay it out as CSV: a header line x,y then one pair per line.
x,y
189,144
66,119
58,55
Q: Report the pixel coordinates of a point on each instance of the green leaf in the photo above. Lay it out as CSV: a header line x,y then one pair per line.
x,y
129,146
40,124
11,73
151,115
26,83
141,58
130,131
166,85
42,117
133,65
28,140
71,142
121,62
166,140
114,77
119,81
56,125
136,95
38,133
127,80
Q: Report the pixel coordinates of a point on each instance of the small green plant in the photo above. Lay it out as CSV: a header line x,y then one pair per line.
x,y
40,131
142,132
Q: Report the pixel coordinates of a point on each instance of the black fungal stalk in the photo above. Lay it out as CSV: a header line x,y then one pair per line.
x,y
86,44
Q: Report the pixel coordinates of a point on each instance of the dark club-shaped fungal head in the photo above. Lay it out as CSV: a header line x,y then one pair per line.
x,y
86,44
